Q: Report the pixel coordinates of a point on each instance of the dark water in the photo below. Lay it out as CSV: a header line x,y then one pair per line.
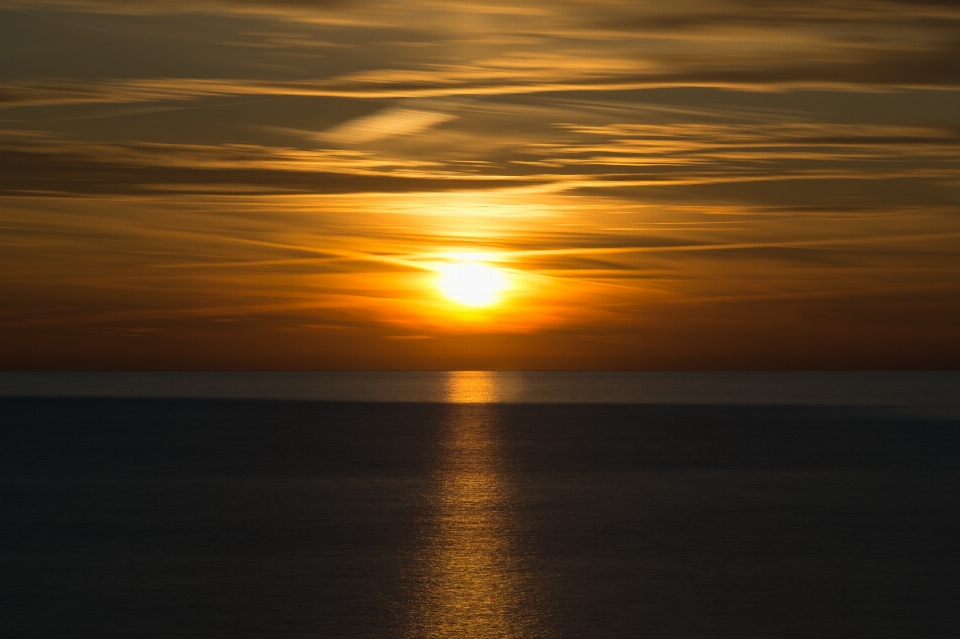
x,y
206,518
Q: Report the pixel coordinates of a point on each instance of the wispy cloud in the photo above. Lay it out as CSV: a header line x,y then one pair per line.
x,y
501,49
388,123
561,156
57,167
654,177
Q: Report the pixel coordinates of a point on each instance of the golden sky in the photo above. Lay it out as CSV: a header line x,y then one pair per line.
x,y
447,184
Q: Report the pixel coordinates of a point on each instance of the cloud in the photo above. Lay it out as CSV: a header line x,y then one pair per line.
x,y
609,210
385,124
924,70
498,48
920,74
51,92
292,8
51,167
702,153
695,143
586,156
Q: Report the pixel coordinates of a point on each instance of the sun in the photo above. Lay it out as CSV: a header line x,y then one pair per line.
x,y
471,283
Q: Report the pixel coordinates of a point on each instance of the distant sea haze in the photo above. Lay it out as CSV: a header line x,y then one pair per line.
x,y
936,390
476,504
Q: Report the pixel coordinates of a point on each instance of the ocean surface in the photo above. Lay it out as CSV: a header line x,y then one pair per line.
x,y
475,504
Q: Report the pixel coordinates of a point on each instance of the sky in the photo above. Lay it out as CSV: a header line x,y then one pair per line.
x,y
639,185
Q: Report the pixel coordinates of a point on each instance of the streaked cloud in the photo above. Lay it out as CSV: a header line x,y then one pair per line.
x,y
389,123
715,183
499,48
56,167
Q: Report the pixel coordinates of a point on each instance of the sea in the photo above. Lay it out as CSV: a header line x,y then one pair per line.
x,y
478,504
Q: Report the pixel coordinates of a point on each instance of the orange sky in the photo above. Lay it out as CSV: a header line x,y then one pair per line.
x,y
242,184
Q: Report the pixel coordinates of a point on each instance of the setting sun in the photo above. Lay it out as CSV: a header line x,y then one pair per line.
x,y
471,283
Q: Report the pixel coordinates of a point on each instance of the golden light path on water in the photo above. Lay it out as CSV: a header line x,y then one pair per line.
x,y
474,584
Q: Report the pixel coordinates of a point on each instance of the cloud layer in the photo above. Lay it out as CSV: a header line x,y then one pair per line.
x,y
395,49
714,183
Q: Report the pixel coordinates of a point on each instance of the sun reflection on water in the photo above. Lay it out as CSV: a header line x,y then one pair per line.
x,y
472,387
474,584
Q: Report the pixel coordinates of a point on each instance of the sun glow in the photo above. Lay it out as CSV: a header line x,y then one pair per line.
x,y
471,283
